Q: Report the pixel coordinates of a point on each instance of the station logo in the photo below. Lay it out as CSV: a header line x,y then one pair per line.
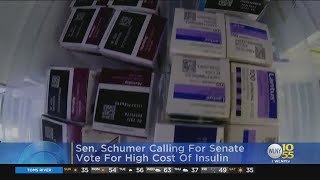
x,y
281,153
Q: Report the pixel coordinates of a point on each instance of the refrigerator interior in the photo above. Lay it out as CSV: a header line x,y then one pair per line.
x,y
30,45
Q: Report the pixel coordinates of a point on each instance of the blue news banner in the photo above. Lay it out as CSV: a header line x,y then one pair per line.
x,y
159,153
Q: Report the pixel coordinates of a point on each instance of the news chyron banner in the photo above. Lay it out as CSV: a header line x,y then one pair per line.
x,y
159,153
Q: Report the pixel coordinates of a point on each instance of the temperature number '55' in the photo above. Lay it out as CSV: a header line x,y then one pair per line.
x,y
249,170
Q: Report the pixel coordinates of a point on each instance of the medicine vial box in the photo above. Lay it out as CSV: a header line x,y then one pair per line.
x,y
60,132
133,37
71,93
198,33
123,102
85,28
199,87
248,42
254,95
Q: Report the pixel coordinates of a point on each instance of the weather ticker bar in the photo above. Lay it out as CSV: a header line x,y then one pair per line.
x,y
135,170
159,170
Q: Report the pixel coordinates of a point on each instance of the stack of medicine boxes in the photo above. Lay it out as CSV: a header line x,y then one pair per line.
x,y
79,107
222,86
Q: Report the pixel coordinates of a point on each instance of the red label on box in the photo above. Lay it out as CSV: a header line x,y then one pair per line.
x,y
79,94
126,77
152,37
99,26
74,133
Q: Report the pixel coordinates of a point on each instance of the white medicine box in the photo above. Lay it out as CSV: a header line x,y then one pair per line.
x,y
199,87
248,42
198,33
254,95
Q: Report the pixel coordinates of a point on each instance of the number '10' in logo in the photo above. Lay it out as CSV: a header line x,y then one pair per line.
x,y
287,151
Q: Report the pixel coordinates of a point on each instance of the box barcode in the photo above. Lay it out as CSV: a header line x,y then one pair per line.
x,y
55,81
189,66
108,112
190,16
260,52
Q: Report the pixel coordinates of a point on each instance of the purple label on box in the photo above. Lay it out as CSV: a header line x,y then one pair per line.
x,y
248,31
200,36
238,85
249,136
267,95
193,92
273,109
